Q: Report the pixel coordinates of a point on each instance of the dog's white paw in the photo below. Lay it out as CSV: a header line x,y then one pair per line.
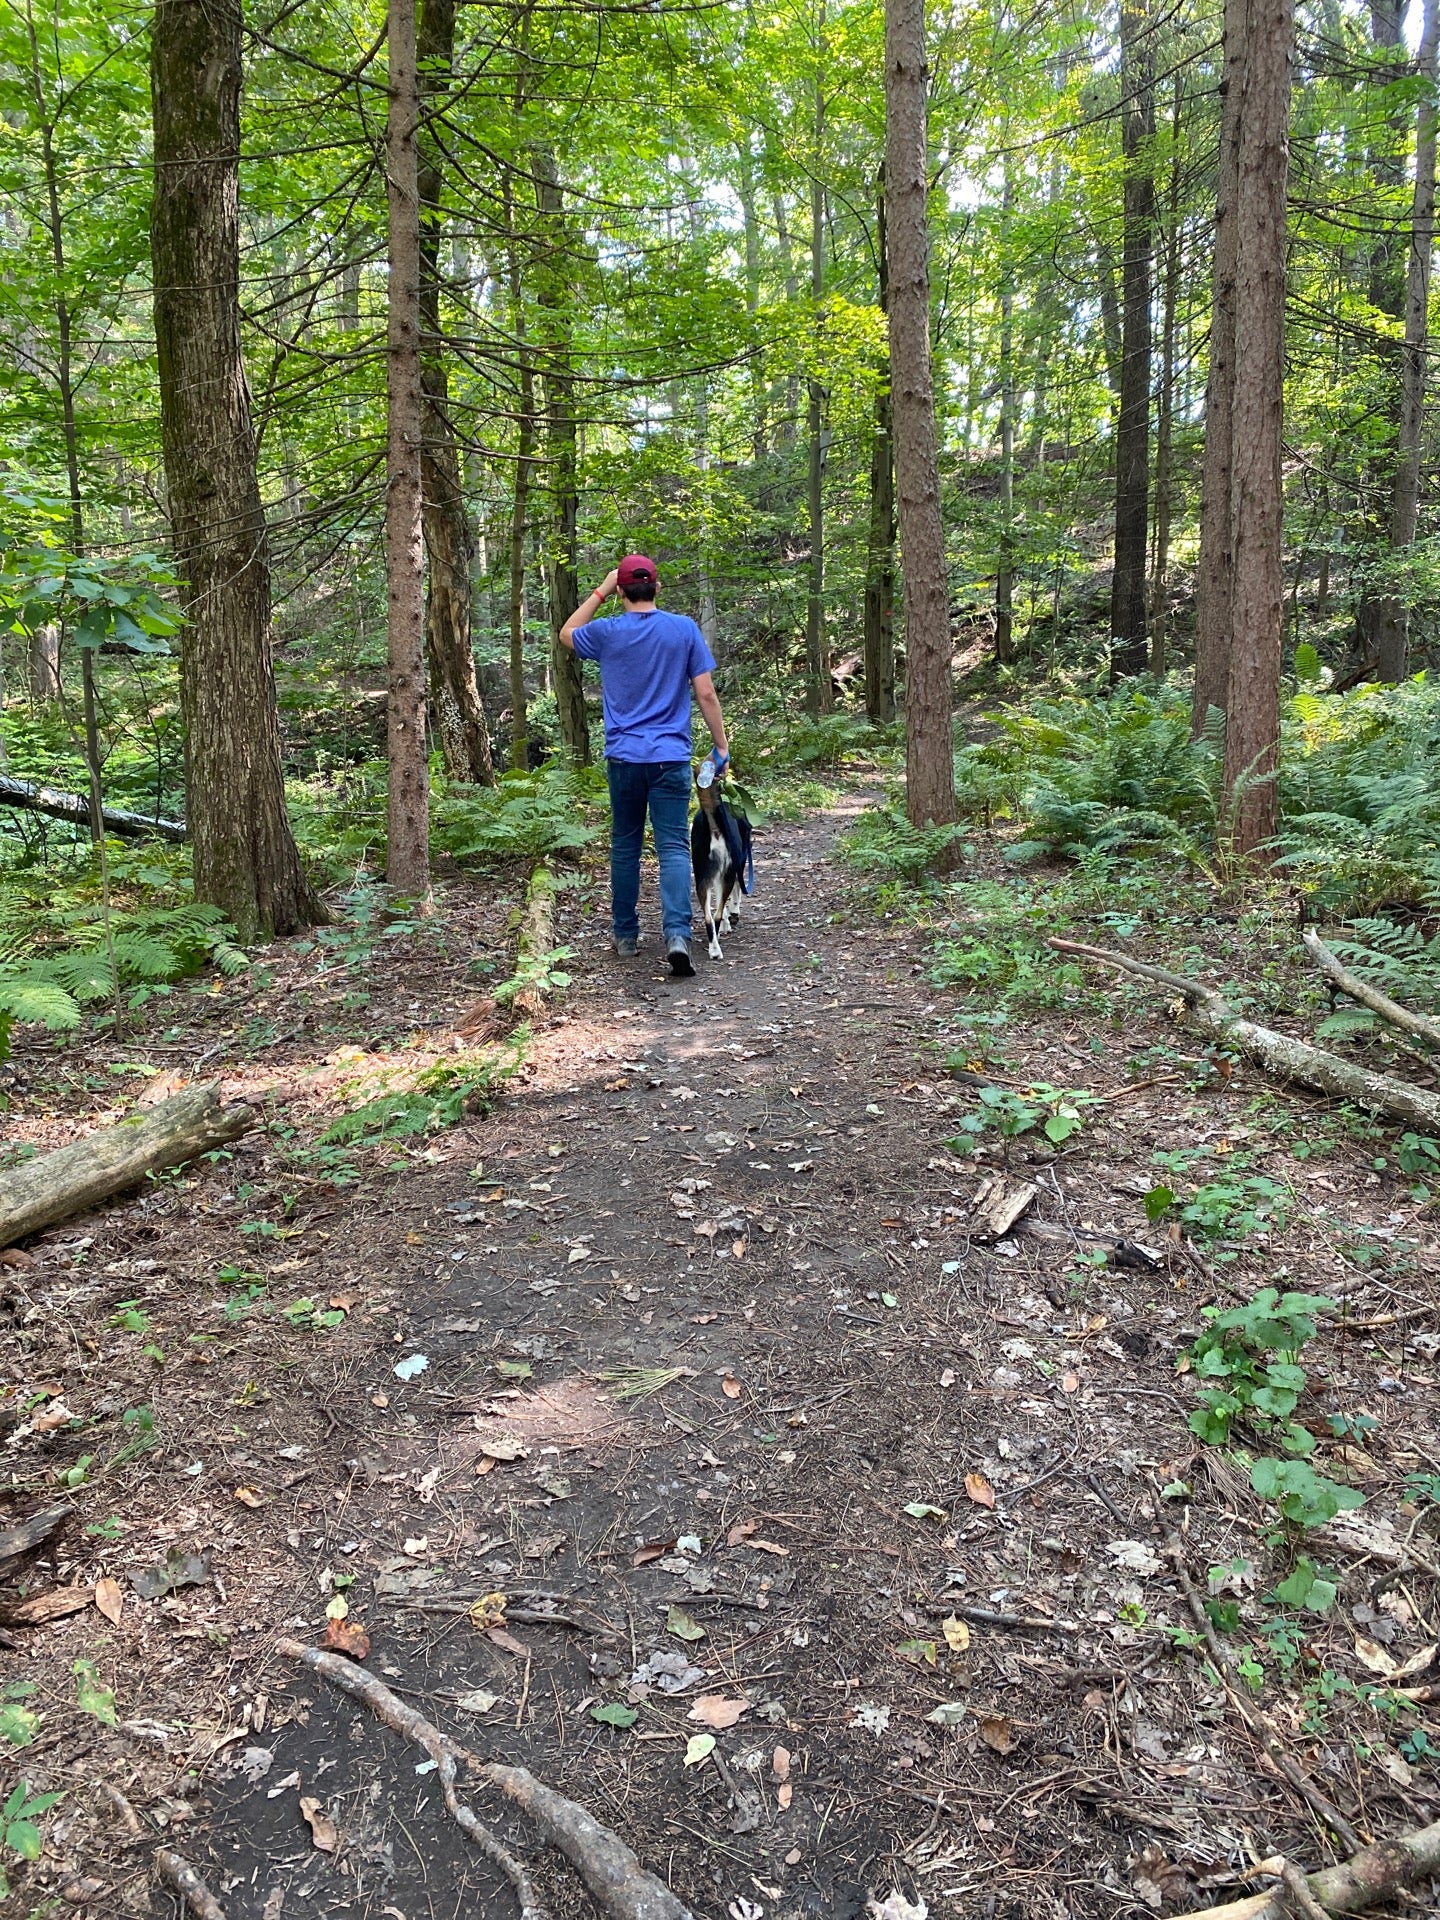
x,y
715,953
725,923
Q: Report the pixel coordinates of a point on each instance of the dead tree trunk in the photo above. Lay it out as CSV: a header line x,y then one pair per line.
x,y
1214,580
879,619
454,689
929,751
1392,636
246,861
1165,407
1005,556
1252,703
1128,609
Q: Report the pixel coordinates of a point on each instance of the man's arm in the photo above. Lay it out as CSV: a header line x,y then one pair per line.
x,y
709,702
588,608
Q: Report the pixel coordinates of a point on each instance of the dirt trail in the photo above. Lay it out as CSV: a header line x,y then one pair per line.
x,y
866,1450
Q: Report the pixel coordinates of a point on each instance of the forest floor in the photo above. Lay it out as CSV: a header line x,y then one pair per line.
x,y
723,1392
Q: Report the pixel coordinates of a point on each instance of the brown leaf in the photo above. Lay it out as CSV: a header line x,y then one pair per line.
x,y
979,1489
323,1830
505,1447
769,1546
248,1497
343,1301
652,1550
57,1414
703,1319
347,1637
484,1465
998,1734
780,1765
947,1376
957,1634
718,1710
782,1795
41,1608
109,1599
16,1257
731,1387
741,1531
739,1248
1375,1657
489,1611
507,1641
1069,1383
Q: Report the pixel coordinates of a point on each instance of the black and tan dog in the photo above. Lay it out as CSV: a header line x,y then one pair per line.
x,y
720,853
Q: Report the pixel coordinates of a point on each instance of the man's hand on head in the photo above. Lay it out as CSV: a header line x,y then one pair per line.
x,y
608,584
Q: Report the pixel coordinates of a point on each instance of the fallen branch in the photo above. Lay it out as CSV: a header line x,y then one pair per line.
x,y
617,1882
1256,1720
990,1617
28,796
187,1885
1360,990
1278,1053
1372,1875
53,1186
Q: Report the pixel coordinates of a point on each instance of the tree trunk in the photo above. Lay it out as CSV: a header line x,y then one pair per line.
x,y
1214,580
524,452
879,617
819,694
746,191
561,446
1165,408
45,664
1252,705
408,818
1128,609
929,751
1392,634
1111,327
1005,557
785,436
245,858
454,688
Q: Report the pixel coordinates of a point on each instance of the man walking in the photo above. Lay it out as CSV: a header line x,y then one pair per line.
x,y
649,662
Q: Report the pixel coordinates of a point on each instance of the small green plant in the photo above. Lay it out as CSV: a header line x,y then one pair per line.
x,y
1231,1207
18,1829
307,1314
77,1476
883,843
139,1423
524,816
90,1696
1305,1498
538,973
439,1097
130,1317
19,1724
1010,1113
1305,1586
1255,1351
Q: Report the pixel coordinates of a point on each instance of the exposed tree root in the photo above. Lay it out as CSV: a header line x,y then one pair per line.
x,y
1278,1053
186,1883
1373,1875
1415,1024
617,1882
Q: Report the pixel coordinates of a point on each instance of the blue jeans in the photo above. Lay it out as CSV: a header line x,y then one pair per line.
x,y
664,788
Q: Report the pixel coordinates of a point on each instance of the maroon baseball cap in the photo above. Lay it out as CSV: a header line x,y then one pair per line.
x,y
635,569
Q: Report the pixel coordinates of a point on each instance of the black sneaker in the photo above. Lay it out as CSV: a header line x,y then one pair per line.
x,y
677,952
627,948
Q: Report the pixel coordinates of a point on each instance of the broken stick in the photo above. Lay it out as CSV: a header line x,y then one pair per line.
x,y
617,1882
1361,991
53,1186
186,1884
1278,1053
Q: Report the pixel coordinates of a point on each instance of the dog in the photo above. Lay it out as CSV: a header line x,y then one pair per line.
x,y
721,856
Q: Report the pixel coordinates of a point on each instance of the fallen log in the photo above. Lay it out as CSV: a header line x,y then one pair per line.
x,y
1353,1886
53,1186
617,1882
1278,1053
29,796
1361,991
537,937
16,1542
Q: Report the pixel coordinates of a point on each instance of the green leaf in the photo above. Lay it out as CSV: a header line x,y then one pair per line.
x,y
90,1696
25,1838
699,1749
18,1724
615,1715
922,1510
678,1622
1158,1202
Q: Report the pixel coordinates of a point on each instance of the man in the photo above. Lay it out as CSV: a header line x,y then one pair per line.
x,y
650,661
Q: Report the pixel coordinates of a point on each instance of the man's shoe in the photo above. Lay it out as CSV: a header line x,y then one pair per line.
x,y
677,952
627,948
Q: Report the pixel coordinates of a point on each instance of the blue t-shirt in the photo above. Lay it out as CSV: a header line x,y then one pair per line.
x,y
647,661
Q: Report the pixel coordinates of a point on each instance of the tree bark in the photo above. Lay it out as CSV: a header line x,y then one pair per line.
x,y
1165,407
785,433
562,447
929,751
1128,608
1392,635
1005,556
45,664
1252,703
745,188
879,614
72,1179
408,815
524,452
454,689
245,858
819,695
1214,580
